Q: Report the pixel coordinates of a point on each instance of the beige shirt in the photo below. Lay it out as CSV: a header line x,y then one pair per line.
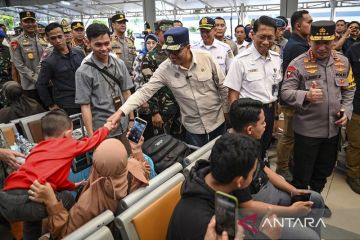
x,y
317,119
199,91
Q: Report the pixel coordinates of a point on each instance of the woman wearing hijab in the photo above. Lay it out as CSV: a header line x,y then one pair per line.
x,y
19,104
112,178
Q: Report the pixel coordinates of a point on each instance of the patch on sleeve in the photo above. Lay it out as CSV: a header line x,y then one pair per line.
x,y
351,80
14,44
290,71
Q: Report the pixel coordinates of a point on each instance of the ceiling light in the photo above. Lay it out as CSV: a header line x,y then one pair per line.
x,y
65,3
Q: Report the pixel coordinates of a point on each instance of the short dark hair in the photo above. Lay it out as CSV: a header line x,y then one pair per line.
x,y
233,155
240,25
352,23
220,18
341,20
244,111
177,21
264,20
55,122
283,18
297,17
95,30
52,26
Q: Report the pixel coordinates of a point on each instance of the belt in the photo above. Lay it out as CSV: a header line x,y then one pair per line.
x,y
269,105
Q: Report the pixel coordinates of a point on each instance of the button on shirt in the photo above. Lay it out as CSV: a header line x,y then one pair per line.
x,y
92,88
199,91
220,51
253,75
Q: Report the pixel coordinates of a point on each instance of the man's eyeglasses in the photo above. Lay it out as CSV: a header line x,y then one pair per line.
x,y
264,37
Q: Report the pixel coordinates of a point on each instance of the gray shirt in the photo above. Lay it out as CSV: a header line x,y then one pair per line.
x,y
92,88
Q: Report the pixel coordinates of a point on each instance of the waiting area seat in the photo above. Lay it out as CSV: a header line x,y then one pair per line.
x,y
200,153
149,218
161,178
31,127
103,233
92,226
9,131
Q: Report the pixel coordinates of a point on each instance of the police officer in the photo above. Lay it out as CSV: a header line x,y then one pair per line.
x,y
196,81
256,73
65,23
220,29
163,106
5,66
122,46
26,53
317,85
78,36
219,50
352,128
280,41
41,34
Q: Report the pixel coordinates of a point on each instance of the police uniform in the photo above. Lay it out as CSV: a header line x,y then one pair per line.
x,y
163,101
219,50
82,45
41,37
257,77
231,44
123,47
199,90
316,134
26,54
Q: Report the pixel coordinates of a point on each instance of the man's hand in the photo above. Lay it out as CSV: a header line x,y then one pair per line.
x,y
115,118
157,120
342,121
9,157
109,125
81,183
42,193
212,235
314,94
299,192
272,230
301,208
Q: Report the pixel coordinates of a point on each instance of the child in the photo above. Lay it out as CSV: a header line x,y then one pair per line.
x,y
49,161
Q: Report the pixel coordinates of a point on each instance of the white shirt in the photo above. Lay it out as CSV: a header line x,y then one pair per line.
x,y
220,51
255,76
242,47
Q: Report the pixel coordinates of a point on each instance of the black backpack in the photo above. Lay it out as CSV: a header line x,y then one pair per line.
x,y
165,150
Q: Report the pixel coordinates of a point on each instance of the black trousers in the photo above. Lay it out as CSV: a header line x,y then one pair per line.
x,y
269,112
314,161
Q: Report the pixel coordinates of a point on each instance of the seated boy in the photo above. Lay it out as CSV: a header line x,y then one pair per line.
x,y
49,161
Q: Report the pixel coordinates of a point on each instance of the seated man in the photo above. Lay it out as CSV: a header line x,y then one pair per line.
x,y
268,189
231,167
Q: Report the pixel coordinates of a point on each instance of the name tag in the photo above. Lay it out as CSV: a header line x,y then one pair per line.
x,y
253,70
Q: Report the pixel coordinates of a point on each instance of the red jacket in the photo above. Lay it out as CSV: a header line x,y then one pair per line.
x,y
51,161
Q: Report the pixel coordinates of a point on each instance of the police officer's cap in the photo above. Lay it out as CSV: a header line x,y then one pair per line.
x,y
175,38
41,24
76,25
119,17
27,15
280,23
163,25
322,31
65,23
206,23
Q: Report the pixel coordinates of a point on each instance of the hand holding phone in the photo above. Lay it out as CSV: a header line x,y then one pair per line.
x,y
137,130
226,214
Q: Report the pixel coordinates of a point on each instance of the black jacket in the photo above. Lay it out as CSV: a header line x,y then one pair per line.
x,y
60,70
196,207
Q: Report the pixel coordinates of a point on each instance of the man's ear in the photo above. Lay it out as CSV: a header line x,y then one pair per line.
x,y
87,41
249,129
239,181
68,133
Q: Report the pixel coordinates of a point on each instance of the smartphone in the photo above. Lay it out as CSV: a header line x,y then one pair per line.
x,y
301,198
226,213
137,130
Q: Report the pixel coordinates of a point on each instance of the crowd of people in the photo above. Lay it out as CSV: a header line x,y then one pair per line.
x,y
195,93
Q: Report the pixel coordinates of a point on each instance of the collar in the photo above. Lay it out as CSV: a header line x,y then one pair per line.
x,y
102,65
215,44
256,55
